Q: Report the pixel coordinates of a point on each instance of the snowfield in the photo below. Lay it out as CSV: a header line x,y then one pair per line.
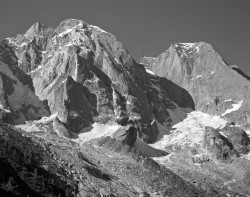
x,y
37,125
190,131
97,130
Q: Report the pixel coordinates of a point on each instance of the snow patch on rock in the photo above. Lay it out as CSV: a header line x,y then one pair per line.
x,y
37,125
235,107
188,45
247,156
97,28
162,160
35,70
65,32
149,71
199,76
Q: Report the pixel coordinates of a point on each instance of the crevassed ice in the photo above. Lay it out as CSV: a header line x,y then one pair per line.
x,y
190,131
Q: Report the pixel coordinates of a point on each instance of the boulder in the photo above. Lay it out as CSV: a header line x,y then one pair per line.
x,y
126,135
218,145
238,137
60,129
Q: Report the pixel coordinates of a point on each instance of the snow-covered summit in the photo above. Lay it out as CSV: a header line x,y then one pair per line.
x,y
188,49
69,25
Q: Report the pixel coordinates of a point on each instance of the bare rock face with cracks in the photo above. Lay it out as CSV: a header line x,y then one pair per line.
x,y
86,75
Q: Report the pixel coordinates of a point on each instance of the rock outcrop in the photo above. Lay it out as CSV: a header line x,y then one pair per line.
x,y
226,142
217,144
126,135
18,102
238,138
60,129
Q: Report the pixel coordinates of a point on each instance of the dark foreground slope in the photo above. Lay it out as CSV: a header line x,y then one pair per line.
x,y
47,165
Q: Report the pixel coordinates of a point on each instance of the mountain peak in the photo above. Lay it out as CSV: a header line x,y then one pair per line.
x,y
35,29
188,49
70,23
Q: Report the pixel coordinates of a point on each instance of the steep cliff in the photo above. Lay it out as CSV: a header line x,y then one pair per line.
x,y
86,75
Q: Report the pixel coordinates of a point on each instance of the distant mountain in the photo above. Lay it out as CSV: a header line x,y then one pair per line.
x,y
215,87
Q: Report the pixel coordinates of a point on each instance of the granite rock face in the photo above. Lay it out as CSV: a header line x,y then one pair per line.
x,y
86,75
206,76
238,138
218,145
